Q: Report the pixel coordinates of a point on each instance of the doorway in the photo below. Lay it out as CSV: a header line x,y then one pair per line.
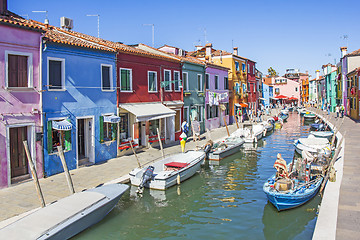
x,y
18,159
84,140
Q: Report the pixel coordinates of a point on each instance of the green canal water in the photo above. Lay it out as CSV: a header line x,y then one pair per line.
x,y
219,202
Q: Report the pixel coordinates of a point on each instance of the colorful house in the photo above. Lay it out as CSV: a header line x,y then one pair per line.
x,y
313,97
265,95
79,99
286,90
330,88
20,97
253,90
149,96
305,90
353,93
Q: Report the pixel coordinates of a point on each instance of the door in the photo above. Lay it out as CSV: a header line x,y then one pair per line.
x,y
143,134
81,139
18,160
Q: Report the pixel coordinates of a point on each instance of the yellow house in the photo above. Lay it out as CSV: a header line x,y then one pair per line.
x,y
237,74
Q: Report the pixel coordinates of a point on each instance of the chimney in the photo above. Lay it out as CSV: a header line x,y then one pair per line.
x,y
198,48
235,51
343,51
317,74
307,72
208,47
3,7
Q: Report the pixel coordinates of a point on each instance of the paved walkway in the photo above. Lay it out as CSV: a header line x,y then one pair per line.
x,y
348,221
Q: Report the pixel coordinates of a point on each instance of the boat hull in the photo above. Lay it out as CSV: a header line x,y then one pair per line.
x,y
218,155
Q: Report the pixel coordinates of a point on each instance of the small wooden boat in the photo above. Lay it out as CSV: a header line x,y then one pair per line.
x,y
289,190
225,148
165,173
66,217
322,134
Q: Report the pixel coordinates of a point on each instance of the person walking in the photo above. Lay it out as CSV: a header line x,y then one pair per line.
x,y
328,108
337,110
342,109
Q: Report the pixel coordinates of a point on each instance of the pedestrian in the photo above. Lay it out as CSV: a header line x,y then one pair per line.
x,y
337,110
342,109
328,108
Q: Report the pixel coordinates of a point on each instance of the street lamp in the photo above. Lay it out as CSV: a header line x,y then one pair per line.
x,y
98,18
46,15
153,27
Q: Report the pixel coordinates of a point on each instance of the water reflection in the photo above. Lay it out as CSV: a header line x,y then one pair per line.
x,y
220,202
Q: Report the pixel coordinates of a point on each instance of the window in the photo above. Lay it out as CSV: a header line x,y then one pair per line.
x,y
125,80
214,111
177,81
106,77
243,67
57,138
208,111
253,69
226,83
18,70
167,80
216,82
200,113
178,121
296,89
227,110
185,81
199,81
186,114
56,73
123,125
237,66
108,131
153,126
152,81
207,81
277,90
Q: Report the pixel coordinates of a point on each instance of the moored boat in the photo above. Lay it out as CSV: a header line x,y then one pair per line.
x,y
283,116
313,145
322,134
251,134
66,217
225,148
309,116
165,173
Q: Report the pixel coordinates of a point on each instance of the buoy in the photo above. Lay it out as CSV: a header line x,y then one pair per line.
x,y
178,179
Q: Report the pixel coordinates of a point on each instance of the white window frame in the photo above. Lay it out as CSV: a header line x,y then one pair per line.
x,y
29,67
155,81
216,77
177,90
180,119
200,111
200,89
187,81
131,78
186,116
62,60
170,84
111,78
207,86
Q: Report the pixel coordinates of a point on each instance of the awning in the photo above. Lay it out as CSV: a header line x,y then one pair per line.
x,y
264,99
111,119
61,125
293,98
148,111
281,97
244,105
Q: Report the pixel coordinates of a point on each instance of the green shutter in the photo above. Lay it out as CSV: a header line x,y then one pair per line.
x,y
67,140
114,131
101,128
49,136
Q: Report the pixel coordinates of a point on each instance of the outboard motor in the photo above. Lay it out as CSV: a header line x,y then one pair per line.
x,y
146,177
208,147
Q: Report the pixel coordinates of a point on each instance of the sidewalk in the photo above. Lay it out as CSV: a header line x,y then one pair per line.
x,y
22,197
348,219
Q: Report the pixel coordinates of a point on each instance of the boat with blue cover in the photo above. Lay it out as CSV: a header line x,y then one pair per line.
x,y
283,116
286,190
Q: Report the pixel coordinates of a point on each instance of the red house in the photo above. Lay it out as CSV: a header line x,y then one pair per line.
x,y
253,92
149,97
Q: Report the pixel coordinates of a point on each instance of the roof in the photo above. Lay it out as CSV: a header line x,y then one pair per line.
x,y
354,71
14,20
354,53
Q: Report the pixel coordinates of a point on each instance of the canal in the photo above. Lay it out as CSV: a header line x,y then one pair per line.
x,y
220,202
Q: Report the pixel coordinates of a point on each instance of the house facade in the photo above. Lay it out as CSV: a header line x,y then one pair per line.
x,y
20,97
265,95
149,97
288,88
252,85
79,100
353,93
330,87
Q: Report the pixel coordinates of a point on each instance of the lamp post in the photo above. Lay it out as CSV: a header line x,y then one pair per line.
x,y
153,30
98,20
46,15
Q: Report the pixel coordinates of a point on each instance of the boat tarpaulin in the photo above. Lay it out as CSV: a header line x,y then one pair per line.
x,y
111,119
148,111
61,125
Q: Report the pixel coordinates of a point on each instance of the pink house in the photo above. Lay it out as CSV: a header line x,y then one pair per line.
x,y
20,96
287,87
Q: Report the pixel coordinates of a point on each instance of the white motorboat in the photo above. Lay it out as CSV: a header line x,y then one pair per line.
x,y
269,124
313,145
168,171
66,217
251,134
285,111
225,148
322,134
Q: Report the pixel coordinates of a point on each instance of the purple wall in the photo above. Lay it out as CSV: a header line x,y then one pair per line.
x,y
20,107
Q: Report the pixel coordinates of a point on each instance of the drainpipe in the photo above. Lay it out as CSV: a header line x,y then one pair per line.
x,y
41,104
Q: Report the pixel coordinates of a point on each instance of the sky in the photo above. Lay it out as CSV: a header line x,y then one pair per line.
x,y
282,34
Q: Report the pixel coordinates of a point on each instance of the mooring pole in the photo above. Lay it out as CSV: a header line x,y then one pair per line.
x,y
137,159
34,174
66,170
161,146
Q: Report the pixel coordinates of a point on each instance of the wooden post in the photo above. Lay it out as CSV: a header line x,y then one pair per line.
x,y
226,127
237,125
34,174
66,170
161,146
137,159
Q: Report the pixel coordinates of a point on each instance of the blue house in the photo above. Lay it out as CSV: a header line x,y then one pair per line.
x,y
78,100
266,95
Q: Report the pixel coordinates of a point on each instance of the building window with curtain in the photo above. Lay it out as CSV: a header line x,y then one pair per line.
x,y
167,80
152,81
106,77
17,71
177,81
125,80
